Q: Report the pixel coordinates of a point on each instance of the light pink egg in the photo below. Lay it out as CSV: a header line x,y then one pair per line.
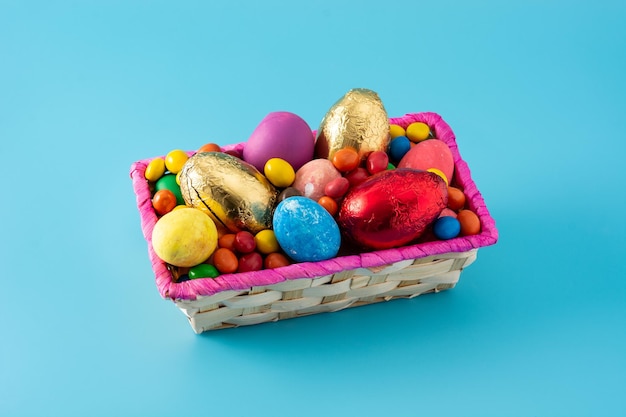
x,y
312,177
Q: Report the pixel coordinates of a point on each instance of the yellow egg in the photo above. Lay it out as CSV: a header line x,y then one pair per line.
x,y
266,241
184,237
279,172
417,132
395,131
175,160
155,169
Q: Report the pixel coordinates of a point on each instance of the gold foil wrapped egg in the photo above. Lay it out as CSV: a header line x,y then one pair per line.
x,y
232,192
358,120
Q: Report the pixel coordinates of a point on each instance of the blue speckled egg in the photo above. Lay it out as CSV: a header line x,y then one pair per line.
x,y
305,230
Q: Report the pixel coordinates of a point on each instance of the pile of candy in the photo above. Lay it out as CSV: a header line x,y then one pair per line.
x,y
286,196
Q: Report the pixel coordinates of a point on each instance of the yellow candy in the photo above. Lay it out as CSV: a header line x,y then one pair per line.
x,y
180,206
438,172
395,131
175,160
418,132
279,172
155,169
178,178
266,242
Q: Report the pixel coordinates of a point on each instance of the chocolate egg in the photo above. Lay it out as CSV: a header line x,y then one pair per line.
x,y
234,193
358,120
431,153
392,208
280,135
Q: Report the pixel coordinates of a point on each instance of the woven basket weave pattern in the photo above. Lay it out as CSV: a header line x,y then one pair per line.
x,y
313,287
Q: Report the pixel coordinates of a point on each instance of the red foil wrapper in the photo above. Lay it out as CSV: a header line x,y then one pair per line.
x,y
392,208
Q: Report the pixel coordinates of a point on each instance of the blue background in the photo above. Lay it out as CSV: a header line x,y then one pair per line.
x,y
536,94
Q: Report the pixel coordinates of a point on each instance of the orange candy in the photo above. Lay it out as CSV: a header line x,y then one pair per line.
x,y
227,241
329,204
163,201
470,223
346,159
275,260
456,198
225,261
210,147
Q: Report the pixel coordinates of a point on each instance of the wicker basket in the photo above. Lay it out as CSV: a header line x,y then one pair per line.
x,y
301,289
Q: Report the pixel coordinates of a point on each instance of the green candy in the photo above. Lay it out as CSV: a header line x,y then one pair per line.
x,y
168,182
203,271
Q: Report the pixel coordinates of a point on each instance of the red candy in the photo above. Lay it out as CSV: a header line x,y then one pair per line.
x,y
357,176
337,188
244,242
163,201
377,162
250,262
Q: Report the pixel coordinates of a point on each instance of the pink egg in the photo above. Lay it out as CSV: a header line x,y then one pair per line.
x,y
312,177
431,153
280,135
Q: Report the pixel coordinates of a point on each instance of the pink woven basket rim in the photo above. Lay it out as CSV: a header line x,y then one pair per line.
x,y
192,289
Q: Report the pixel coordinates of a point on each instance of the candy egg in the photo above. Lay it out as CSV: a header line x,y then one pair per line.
x,y
446,227
312,177
203,271
358,120
184,237
280,135
431,153
155,169
305,230
279,172
231,191
392,208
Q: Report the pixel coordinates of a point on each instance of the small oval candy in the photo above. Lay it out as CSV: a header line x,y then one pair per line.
x,y
470,223
225,261
346,159
275,260
163,201
446,227
227,241
168,182
266,241
203,271
279,172
252,261
357,176
337,188
244,242
210,147
175,160
329,204
399,147
417,132
288,192
456,198
155,169
395,131
377,161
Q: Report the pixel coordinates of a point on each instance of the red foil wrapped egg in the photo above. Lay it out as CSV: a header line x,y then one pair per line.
x,y
392,208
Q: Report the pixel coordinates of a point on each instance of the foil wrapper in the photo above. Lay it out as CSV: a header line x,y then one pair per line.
x,y
232,192
358,120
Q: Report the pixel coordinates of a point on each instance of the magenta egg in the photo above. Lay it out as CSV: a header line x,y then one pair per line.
x,y
280,135
392,208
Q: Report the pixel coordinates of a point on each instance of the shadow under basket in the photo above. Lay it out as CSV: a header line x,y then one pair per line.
x,y
300,289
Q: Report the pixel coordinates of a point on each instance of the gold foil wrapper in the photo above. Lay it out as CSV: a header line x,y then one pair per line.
x,y
358,120
232,192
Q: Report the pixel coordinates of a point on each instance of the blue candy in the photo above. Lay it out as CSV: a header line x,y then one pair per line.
x,y
305,230
398,147
446,227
